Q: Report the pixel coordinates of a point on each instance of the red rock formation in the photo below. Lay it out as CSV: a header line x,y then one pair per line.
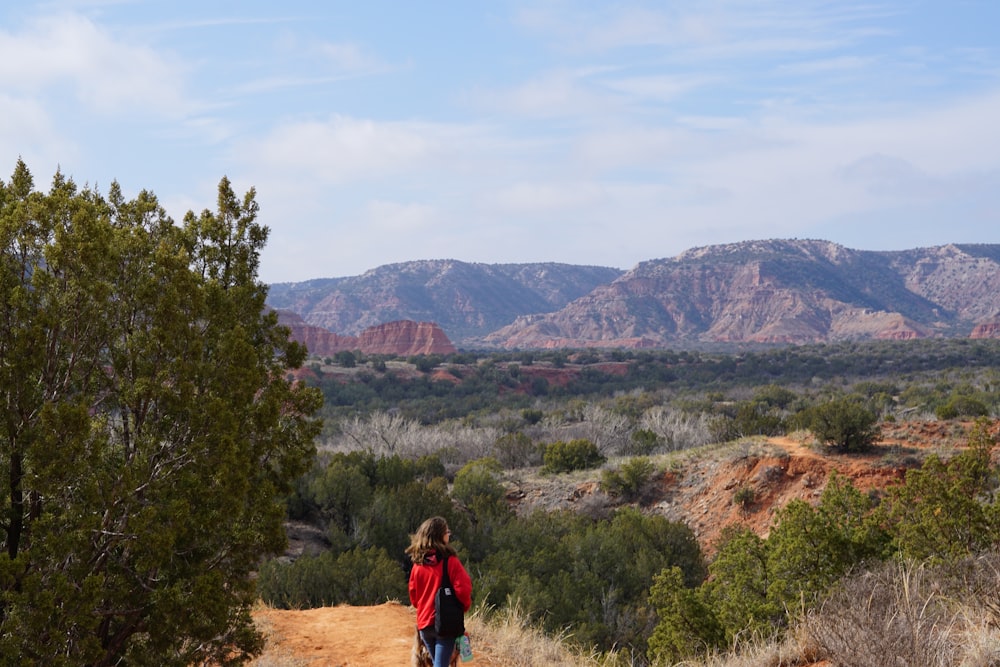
x,y
990,329
317,340
405,337
402,338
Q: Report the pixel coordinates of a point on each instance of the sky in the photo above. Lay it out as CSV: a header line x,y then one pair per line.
x,y
508,131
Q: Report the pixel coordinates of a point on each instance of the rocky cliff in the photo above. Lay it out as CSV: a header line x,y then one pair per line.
x,y
754,292
989,329
400,338
776,291
467,300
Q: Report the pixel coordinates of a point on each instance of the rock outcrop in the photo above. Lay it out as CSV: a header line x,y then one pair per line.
x,y
401,338
405,337
989,329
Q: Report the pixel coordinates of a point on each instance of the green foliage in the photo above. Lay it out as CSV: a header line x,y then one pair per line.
x,y
739,588
845,424
477,485
749,418
356,577
947,510
687,625
346,359
644,442
744,497
594,576
775,396
811,547
532,416
425,363
340,492
631,480
577,454
148,428
755,584
962,405
874,367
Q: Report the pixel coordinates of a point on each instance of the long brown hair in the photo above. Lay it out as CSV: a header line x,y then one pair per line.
x,y
429,538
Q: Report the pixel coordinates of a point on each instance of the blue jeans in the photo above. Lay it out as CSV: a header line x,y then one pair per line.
x,y
440,648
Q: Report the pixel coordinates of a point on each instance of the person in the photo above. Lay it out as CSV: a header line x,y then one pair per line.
x,y
428,547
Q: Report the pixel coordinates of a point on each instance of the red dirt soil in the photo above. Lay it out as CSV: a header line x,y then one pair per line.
x,y
342,636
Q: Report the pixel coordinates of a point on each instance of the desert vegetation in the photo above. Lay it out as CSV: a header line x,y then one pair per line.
x,y
631,585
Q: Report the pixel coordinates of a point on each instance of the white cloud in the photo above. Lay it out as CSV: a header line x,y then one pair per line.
x,y
342,149
108,74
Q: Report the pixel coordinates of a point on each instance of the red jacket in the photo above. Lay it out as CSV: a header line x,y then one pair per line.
x,y
425,579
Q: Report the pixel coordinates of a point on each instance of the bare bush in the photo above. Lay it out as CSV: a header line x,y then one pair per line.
x,y
896,614
386,434
610,431
381,433
676,429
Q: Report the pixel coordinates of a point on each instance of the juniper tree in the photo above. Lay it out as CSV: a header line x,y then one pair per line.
x,y
147,428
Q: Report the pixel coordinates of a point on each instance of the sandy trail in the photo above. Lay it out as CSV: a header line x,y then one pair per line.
x,y
337,636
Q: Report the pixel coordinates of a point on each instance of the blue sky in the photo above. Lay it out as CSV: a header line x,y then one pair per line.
x,y
603,133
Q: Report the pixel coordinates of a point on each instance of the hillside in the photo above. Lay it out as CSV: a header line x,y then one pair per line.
x,y
698,489
753,292
776,292
467,300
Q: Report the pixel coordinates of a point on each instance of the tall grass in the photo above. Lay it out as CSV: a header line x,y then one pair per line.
x,y
913,614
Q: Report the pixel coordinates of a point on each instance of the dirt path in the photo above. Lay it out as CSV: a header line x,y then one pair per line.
x,y
337,636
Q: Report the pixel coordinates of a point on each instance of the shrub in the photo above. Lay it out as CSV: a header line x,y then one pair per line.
x,y
516,450
844,424
532,416
578,454
962,406
631,480
477,482
644,441
744,497
356,577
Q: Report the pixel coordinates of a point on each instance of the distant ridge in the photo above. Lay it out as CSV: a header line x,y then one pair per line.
x,y
767,291
467,300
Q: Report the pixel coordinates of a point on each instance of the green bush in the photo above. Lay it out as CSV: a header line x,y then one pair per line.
x,y
478,483
744,497
532,415
846,424
578,454
631,480
355,577
644,442
962,406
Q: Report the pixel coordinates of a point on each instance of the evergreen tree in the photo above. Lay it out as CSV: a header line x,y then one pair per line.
x,y
148,428
947,510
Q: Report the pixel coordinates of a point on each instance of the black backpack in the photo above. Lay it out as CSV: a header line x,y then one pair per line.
x,y
449,618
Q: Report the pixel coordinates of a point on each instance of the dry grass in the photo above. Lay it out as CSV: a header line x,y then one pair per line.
x,y
508,637
913,615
